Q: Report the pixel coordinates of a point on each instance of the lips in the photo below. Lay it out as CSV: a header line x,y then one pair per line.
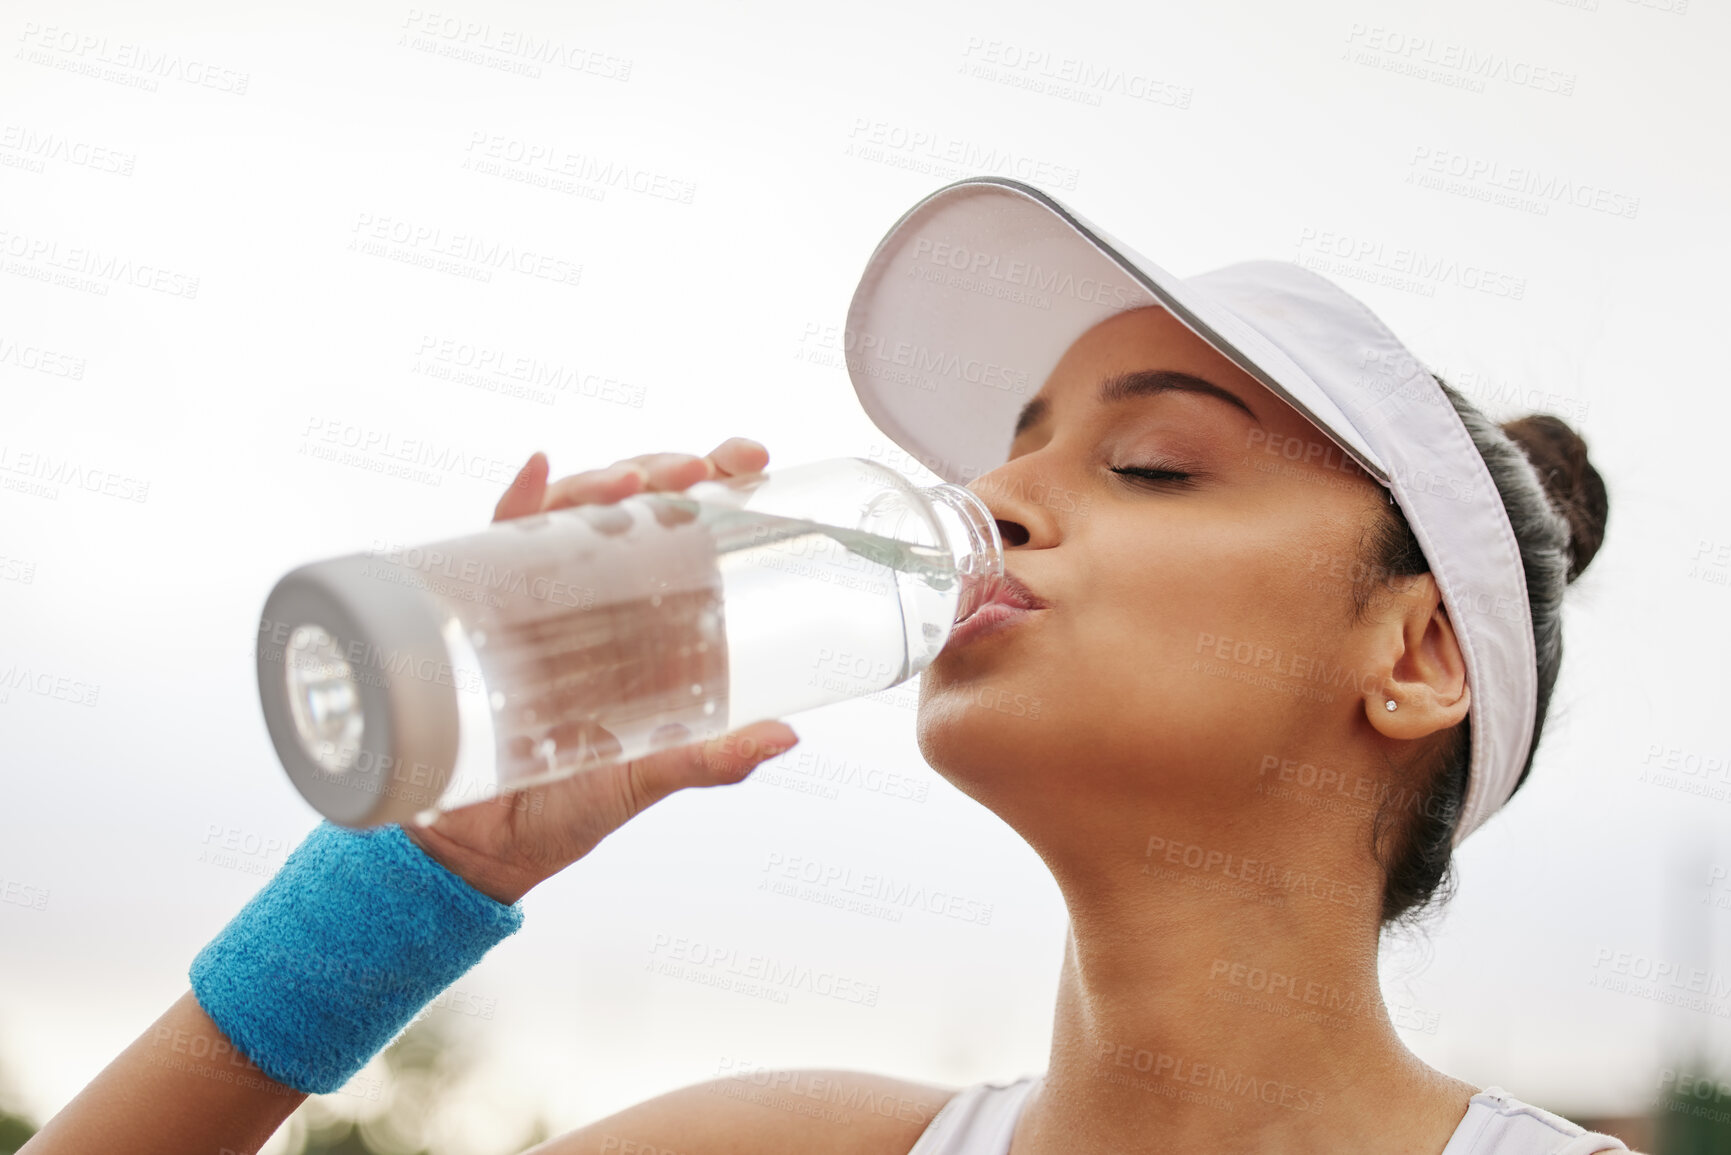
x,y
1004,602
1009,591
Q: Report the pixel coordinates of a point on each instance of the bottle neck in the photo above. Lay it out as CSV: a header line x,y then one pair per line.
x,y
976,547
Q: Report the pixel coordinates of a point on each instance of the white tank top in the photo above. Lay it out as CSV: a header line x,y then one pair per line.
x,y
981,1119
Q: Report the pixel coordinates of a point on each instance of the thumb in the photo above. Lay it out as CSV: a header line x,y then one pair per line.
x,y
718,762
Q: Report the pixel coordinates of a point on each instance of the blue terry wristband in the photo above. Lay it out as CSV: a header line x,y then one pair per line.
x,y
355,934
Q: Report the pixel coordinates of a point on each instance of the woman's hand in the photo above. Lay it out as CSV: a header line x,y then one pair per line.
x,y
505,845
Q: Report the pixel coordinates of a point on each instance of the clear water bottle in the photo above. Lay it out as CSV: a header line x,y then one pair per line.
x,y
401,681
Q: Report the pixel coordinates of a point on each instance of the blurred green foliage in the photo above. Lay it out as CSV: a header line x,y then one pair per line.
x,y
1693,1117
14,1130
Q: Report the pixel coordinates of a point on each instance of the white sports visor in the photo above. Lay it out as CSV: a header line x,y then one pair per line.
x,y
976,292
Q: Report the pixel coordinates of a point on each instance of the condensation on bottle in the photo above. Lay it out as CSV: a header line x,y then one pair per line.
x,y
399,683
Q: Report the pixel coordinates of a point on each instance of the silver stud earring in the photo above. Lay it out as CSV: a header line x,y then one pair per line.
x,y
1390,705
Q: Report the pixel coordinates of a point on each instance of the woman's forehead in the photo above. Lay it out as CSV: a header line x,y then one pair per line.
x,y
1151,339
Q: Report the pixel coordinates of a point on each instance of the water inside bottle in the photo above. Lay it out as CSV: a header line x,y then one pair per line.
x,y
688,621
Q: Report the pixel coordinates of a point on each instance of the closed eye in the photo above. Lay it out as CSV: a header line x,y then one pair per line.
x,y
1155,476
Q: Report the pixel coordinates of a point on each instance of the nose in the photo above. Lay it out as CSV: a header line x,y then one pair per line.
x,y
1018,495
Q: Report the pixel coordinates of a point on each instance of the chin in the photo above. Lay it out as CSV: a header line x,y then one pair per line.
x,y
967,730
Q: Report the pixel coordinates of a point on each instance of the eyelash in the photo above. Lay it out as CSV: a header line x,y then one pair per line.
x,y
1153,476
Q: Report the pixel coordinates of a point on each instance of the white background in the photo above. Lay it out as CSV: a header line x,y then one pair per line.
x,y
1208,133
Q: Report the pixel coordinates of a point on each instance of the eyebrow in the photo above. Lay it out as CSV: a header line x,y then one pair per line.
x,y
1143,383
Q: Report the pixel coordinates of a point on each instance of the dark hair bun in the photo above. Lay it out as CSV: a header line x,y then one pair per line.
x,y
1573,485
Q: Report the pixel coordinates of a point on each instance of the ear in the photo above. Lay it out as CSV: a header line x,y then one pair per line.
x,y
1427,678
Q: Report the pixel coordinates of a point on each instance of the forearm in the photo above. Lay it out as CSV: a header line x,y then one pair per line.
x,y
180,1089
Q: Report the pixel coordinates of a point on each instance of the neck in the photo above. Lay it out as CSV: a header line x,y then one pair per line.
x,y
1211,1002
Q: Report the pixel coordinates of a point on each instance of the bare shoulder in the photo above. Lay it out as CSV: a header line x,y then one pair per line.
x,y
767,1113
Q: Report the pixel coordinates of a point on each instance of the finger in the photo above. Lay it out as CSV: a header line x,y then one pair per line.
x,y
665,472
523,496
738,455
671,472
717,762
595,486
677,471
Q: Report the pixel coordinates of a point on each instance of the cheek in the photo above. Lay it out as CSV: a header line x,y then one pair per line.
x,y
1205,653
1186,691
